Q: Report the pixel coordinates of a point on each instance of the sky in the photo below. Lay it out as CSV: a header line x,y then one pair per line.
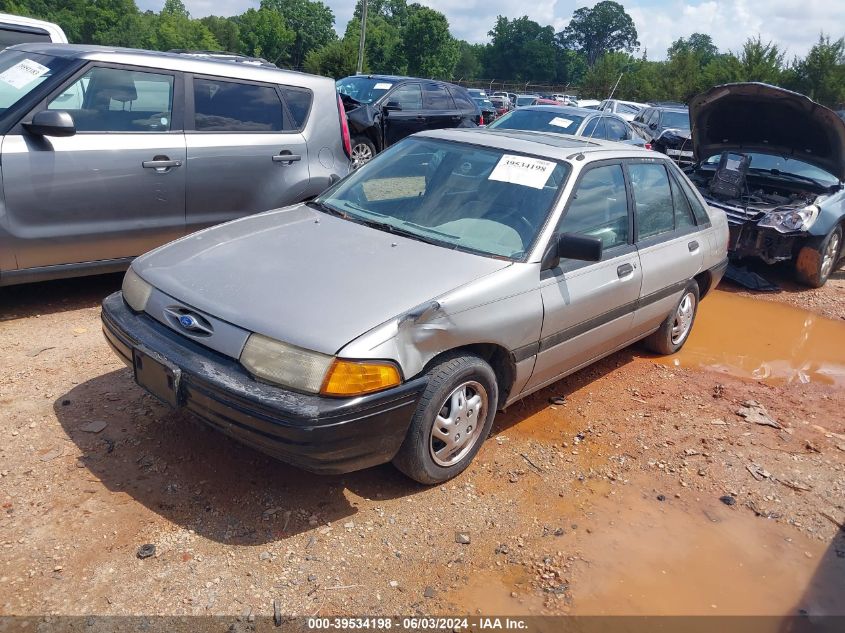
x,y
793,25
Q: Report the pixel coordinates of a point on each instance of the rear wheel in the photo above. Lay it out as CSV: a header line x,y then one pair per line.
x,y
818,258
675,330
452,420
363,151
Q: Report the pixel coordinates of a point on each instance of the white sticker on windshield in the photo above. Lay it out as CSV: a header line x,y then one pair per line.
x,y
560,122
23,73
382,86
521,170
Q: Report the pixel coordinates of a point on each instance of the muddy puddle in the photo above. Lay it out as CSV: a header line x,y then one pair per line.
x,y
765,341
642,556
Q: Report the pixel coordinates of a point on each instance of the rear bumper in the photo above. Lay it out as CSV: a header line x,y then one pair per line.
x,y
326,435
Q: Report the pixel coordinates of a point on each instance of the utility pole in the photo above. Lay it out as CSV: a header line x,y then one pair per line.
x,y
363,36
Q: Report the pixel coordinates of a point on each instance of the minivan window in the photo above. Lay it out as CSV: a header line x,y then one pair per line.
x,y
21,73
118,100
599,207
299,104
227,106
455,195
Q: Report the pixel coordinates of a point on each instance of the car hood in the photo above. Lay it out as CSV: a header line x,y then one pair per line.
x,y
756,117
307,278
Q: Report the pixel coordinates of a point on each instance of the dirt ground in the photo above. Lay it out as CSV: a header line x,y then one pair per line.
x,y
645,492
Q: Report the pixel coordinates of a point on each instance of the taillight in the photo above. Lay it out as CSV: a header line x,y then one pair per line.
x,y
648,145
344,128
481,119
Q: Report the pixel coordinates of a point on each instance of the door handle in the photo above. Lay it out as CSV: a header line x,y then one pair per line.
x,y
161,163
286,158
624,270
692,246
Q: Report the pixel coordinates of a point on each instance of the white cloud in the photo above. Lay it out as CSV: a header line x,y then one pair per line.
x,y
791,24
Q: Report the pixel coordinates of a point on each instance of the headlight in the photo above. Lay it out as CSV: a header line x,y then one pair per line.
x,y
312,372
790,220
136,291
284,364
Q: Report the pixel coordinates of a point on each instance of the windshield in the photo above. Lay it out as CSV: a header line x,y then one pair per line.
x,y
539,121
678,120
768,162
364,89
524,101
456,195
484,103
21,73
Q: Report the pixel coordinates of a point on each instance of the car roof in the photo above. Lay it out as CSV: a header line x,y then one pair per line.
x,y
170,61
553,146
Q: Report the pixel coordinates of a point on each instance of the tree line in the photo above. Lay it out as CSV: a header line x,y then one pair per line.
x,y
599,45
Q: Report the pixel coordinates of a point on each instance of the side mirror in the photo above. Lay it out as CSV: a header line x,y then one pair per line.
x,y
572,246
51,123
392,105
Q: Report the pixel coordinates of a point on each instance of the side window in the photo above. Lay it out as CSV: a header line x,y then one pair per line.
x,y
118,100
616,130
299,104
599,207
438,98
683,211
225,106
462,100
408,96
653,117
653,208
594,128
698,210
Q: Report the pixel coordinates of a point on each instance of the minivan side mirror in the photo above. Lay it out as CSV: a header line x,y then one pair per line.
x,y
51,123
572,246
392,105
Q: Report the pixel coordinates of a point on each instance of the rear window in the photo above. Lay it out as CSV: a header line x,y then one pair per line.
x,y
224,106
462,100
299,104
539,121
675,120
9,35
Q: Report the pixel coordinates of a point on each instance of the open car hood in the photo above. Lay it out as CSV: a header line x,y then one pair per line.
x,y
757,117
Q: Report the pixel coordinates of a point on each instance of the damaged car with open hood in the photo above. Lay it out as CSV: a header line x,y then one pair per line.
x,y
774,161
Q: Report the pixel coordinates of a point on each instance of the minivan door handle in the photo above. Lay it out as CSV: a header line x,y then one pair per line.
x,y
286,157
624,270
161,163
692,246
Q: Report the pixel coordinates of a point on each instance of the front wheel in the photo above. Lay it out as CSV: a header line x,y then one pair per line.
x,y
818,258
675,330
363,151
452,420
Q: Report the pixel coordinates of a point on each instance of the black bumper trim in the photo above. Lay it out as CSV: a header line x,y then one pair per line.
x,y
328,435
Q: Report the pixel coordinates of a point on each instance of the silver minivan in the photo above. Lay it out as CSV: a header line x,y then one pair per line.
x,y
390,318
107,153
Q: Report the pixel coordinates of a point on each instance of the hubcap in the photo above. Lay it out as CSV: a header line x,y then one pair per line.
x,y
361,154
830,254
683,318
458,424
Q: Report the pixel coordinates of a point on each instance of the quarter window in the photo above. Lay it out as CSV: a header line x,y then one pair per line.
x,y
409,97
652,199
599,207
118,100
224,106
462,100
683,212
299,104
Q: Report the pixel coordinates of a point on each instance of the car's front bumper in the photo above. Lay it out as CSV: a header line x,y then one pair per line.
x,y
747,239
327,435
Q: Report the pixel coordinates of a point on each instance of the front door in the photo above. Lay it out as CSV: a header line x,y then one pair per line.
x,y
589,306
246,153
411,117
116,188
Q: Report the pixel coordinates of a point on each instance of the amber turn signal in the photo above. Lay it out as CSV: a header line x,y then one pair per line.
x,y
352,378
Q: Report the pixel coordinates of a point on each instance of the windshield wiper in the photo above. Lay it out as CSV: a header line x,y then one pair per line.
x,y
785,174
322,206
396,230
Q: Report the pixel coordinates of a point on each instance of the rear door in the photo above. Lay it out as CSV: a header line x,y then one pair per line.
x,y
115,189
246,152
411,118
670,249
439,107
469,110
589,306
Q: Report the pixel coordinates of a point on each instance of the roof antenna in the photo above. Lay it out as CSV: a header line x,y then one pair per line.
x,y
618,79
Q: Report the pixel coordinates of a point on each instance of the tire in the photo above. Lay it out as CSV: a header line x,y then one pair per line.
x,y
424,456
363,151
817,259
675,330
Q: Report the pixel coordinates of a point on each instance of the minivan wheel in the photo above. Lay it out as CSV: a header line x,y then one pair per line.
x,y
363,151
674,331
452,420
818,258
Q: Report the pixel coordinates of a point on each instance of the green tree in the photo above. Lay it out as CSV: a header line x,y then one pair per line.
x,y
311,21
174,29
699,45
604,28
429,48
263,33
225,31
761,61
468,65
821,75
336,59
384,50
521,50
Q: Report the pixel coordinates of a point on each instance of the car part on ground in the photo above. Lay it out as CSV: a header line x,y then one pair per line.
x,y
789,153
108,153
510,260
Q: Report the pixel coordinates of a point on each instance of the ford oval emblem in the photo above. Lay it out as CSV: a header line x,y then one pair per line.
x,y
188,322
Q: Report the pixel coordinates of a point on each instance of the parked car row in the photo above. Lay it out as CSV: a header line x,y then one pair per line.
x,y
477,265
